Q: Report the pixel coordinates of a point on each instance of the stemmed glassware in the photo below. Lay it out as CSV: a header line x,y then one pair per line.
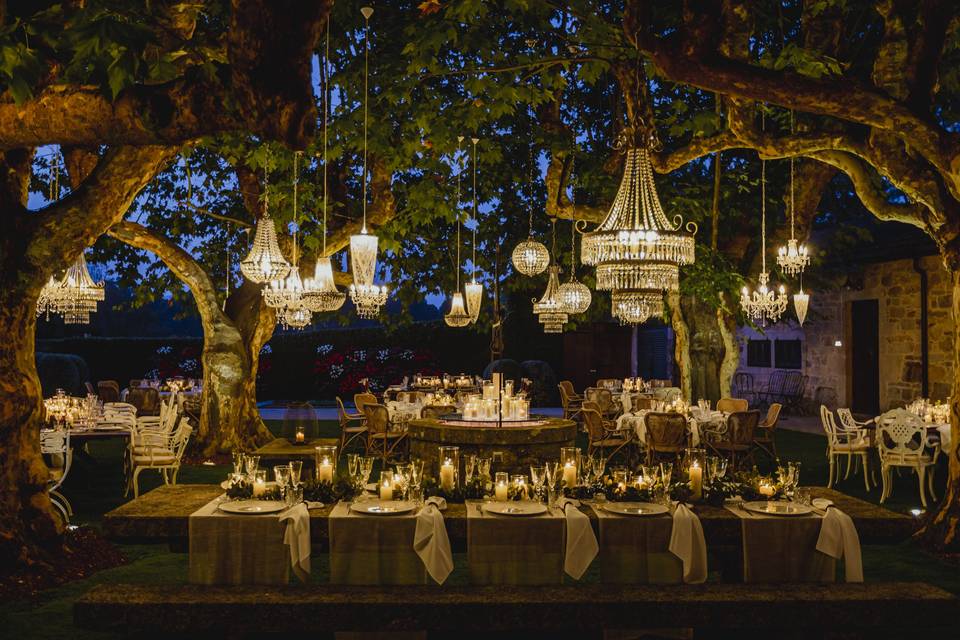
x,y
469,466
666,473
599,465
296,468
366,468
537,478
586,470
353,468
789,477
716,467
237,457
251,463
401,478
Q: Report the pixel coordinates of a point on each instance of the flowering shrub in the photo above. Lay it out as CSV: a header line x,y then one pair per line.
x,y
169,362
343,371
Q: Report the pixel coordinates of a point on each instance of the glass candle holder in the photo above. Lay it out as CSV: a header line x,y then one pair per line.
x,y
449,475
326,459
620,479
259,482
501,486
386,485
569,465
694,461
300,436
519,484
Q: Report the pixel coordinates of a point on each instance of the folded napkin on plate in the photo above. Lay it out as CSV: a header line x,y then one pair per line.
x,y
688,544
297,538
582,546
839,539
430,540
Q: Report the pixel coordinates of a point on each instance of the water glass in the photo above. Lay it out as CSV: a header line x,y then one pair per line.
x,y
599,465
293,495
416,467
281,474
801,495
716,467
251,463
415,495
483,467
296,468
469,466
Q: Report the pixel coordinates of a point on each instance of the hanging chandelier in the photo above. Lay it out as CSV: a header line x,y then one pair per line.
x,y
265,262
801,302
530,257
764,304
550,310
45,303
77,295
793,258
287,295
473,290
457,316
574,295
636,249
367,297
294,317
320,293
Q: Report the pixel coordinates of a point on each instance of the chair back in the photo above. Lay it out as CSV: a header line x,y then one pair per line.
x,y
134,383
362,399
666,431
740,427
742,383
300,416
643,404
342,413
378,418
90,389
108,390
603,398
794,383
776,382
56,444
666,394
594,423
181,438
436,411
145,399
901,437
566,387
731,405
847,421
773,415
829,424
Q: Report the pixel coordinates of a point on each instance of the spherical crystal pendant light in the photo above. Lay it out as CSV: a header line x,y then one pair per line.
x,y
574,295
636,307
295,317
265,261
367,297
530,257
764,304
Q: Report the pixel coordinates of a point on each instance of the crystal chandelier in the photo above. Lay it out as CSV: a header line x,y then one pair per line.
x,y
473,290
320,293
550,310
763,305
574,295
801,301
265,261
366,296
294,317
793,258
77,295
530,257
457,316
636,249
286,295
45,303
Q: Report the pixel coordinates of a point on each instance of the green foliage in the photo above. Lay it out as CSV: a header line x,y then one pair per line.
x,y
708,277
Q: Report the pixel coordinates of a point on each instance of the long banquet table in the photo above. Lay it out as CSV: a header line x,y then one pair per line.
x,y
162,515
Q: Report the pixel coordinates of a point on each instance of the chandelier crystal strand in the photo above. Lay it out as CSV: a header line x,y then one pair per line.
x,y
549,309
793,258
473,290
320,293
574,295
530,257
283,294
46,303
458,316
765,304
367,297
265,262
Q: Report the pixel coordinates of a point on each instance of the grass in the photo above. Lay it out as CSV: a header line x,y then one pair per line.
x,y
95,487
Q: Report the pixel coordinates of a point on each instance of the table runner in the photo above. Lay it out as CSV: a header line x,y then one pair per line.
x,y
515,550
237,549
783,548
634,550
373,550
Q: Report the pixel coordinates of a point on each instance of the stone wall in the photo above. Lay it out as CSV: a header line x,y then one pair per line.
x,y
827,331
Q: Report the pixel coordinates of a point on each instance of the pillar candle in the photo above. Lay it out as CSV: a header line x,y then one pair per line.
x,y
501,493
386,491
446,475
570,474
696,481
325,471
300,436
259,488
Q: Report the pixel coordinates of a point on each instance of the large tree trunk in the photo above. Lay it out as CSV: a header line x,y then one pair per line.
x,y
731,348
681,344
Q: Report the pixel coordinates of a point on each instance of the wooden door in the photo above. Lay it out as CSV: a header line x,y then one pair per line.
x,y
865,357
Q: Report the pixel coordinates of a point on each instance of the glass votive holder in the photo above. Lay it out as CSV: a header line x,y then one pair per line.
x,y
326,460
519,484
259,482
501,486
695,463
569,465
386,485
449,468
620,477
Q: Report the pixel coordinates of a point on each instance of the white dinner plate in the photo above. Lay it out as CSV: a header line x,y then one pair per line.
x,y
383,507
253,507
634,508
226,484
778,508
515,508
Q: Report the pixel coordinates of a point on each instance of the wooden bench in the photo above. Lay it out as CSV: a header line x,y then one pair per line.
x,y
871,610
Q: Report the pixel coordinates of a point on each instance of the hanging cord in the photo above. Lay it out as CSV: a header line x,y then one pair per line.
x,y
457,207
296,222
530,191
573,222
266,186
367,12
476,222
763,199
553,233
792,233
326,110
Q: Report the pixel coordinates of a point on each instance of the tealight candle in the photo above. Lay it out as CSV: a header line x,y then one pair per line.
x,y
766,489
325,470
641,482
696,480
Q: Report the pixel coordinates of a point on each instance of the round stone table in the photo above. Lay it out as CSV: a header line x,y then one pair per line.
x,y
514,446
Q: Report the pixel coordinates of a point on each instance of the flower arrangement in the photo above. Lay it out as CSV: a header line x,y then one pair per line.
x,y
340,371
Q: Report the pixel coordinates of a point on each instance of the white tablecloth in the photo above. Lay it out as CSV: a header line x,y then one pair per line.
x,y
403,411
635,422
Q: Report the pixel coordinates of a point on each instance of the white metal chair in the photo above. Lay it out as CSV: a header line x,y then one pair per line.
x,y
902,442
843,442
56,444
162,455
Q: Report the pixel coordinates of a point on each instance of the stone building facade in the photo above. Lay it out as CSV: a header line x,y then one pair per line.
x,y
828,334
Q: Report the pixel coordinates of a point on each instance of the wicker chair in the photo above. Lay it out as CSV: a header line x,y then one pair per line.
x,y
604,399
731,405
351,427
436,411
666,434
643,404
381,441
108,390
601,437
763,438
362,399
736,441
570,400
145,399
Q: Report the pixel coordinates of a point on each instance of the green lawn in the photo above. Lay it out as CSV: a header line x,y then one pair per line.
x,y
94,487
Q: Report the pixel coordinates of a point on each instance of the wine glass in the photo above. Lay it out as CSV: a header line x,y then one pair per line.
x,y
401,478
469,466
793,472
416,473
366,468
251,463
586,470
666,472
537,476
599,465
238,461
483,468
296,467
551,473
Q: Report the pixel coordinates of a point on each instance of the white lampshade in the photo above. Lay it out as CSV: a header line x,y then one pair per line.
x,y
363,257
474,295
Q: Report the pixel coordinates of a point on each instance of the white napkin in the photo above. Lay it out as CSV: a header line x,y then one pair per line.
x,y
582,546
430,540
688,544
839,539
297,538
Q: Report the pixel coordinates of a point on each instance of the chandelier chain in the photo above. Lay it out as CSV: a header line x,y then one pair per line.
x,y
326,111
476,220
366,99
792,233
530,191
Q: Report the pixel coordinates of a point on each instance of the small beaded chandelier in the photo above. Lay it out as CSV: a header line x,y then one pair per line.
x,y
367,297
792,258
550,310
320,293
295,317
764,304
287,294
265,262
530,257
574,295
457,316
473,290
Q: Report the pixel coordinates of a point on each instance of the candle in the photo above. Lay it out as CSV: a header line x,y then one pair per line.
x,y
696,481
501,494
300,436
641,483
325,471
766,489
386,490
446,475
259,487
570,474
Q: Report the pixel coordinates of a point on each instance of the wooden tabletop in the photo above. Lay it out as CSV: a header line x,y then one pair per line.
x,y
162,515
283,448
